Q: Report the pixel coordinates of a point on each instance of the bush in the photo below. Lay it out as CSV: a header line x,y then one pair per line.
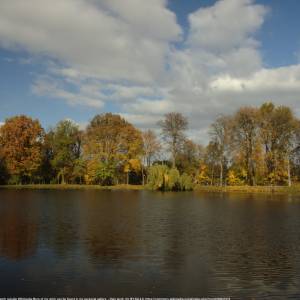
x,y
186,182
157,177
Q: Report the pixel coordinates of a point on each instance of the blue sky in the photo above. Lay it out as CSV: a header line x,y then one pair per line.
x,y
74,59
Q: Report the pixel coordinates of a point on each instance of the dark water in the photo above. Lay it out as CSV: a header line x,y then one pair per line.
x,y
101,243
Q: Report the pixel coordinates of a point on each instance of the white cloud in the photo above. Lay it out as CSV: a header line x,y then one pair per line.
x,y
47,87
226,25
104,39
122,52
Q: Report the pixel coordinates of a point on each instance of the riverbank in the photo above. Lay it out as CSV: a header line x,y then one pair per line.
x,y
250,189
199,188
72,187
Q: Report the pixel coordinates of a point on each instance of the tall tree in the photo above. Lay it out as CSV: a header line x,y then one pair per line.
x,y
65,141
278,131
211,161
21,140
220,135
189,157
173,128
245,137
111,139
151,146
3,171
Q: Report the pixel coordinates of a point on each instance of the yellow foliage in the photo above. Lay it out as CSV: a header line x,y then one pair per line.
x,y
203,178
233,179
133,165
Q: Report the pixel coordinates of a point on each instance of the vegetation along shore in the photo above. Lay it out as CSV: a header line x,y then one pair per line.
x,y
295,189
255,149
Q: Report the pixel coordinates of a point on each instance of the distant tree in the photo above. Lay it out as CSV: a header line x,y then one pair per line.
x,y
151,150
173,129
220,135
151,146
21,140
211,161
3,171
188,159
278,131
245,138
112,140
79,171
65,143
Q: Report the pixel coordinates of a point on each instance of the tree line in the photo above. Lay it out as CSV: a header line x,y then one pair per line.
x,y
253,146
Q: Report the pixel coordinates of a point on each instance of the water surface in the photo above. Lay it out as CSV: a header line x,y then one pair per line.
x,y
136,243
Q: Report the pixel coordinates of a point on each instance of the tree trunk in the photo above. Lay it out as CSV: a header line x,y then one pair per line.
x,y
173,160
289,173
221,173
143,178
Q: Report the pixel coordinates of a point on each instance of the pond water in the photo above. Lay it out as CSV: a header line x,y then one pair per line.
x,y
148,244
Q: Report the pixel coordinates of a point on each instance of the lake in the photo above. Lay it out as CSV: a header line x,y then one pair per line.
x,y
139,243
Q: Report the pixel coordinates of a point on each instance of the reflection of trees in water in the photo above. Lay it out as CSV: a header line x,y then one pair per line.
x,y
230,241
251,242
18,226
60,221
109,226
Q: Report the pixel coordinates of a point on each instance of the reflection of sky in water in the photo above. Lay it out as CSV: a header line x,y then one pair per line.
x,y
88,243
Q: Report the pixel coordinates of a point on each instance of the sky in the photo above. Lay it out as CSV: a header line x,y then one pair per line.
x,y
77,58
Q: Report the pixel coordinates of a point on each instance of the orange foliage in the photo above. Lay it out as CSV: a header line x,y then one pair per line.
x,y
21,145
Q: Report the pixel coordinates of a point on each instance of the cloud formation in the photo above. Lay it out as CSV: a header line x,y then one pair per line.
x,y
126,53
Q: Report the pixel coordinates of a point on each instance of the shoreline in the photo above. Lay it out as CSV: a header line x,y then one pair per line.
x,y
250,189
124,187
72,187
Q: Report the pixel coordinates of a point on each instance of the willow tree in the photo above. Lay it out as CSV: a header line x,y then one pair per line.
x,y
21,140
111,140
173,129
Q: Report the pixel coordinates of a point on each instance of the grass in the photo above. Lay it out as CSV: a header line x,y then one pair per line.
x,y
216,189
73,187
250,189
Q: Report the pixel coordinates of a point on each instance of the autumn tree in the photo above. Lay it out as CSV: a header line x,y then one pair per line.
x,y
173,129
245,136
211,161
3,171
220,136
151,146
112,140
278,132
188,159
21,140
151,151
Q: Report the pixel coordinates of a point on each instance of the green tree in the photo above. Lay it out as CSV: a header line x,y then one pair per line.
x,y
65,143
